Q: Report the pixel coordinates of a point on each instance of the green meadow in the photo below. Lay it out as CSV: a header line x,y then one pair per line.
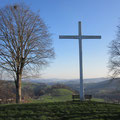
x,y
56,95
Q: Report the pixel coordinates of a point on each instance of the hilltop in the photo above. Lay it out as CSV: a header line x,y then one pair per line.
x,y
56,95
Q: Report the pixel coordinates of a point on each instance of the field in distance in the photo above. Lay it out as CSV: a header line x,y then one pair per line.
x,y
55,95
60,111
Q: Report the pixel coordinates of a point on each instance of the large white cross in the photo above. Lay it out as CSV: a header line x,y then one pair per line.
x,y
80,37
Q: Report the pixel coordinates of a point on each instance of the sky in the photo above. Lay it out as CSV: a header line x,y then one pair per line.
x,y
98,17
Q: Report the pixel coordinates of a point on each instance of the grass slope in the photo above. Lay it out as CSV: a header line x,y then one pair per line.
x,y
60,111
56,95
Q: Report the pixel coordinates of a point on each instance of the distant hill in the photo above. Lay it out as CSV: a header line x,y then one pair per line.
x,y
56,81
56,95
108,89
110,85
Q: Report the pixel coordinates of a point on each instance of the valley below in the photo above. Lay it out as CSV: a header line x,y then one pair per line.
x,y
61,90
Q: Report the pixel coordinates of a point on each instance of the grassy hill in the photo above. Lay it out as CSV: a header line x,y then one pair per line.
x,y
55,95
60,111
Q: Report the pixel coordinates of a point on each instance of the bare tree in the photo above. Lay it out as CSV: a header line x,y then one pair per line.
x,y
24,42
114,51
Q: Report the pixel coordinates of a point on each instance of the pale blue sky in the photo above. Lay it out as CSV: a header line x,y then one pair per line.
x,y
98,17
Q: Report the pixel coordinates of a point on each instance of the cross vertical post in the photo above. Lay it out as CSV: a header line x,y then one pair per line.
x,y
80,37
80,62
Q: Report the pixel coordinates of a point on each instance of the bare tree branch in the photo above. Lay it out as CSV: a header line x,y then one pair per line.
x,y
114,51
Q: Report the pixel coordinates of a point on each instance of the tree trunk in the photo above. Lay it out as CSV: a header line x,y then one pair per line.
x,y
18,88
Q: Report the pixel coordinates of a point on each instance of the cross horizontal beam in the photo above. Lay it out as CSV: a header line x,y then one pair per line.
x,y
90,37
78,37
69,37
